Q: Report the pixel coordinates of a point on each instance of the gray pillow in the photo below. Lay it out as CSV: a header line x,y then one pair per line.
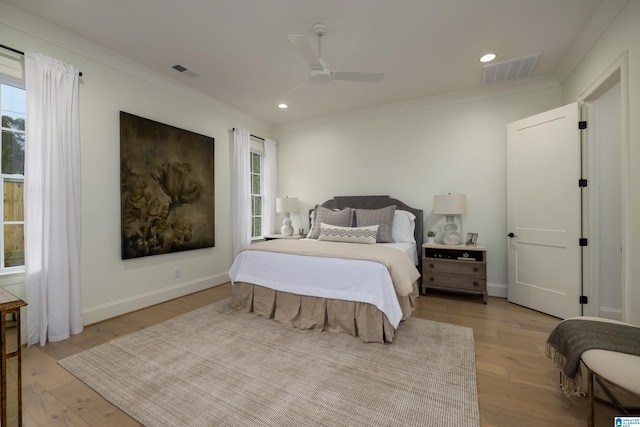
x,y
382,217
323,215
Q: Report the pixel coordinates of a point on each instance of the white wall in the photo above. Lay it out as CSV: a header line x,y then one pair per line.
x,y
455,144
622,36
111,286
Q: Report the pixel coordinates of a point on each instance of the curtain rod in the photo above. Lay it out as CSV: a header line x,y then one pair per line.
x,y
22,53
253,136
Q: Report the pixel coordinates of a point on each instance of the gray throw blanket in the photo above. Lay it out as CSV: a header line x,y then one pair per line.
x,y
572,337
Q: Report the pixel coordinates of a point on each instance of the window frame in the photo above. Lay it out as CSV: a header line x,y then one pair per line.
x,y
257,148
9,81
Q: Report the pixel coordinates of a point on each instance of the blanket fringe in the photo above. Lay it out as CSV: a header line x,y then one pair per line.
x,y
570,386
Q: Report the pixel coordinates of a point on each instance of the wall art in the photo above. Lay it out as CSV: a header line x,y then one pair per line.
x,y
166,188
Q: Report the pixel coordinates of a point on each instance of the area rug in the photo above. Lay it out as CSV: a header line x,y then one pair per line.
x,y
218,367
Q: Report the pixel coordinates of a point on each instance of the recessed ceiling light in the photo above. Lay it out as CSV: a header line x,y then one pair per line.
x,y
488,57
283,106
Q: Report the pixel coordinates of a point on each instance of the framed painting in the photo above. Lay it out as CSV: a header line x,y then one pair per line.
x,y
166,188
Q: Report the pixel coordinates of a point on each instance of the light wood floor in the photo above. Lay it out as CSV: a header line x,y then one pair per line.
x,y
517,384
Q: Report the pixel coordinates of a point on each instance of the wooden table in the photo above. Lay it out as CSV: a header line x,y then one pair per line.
x,y
10,305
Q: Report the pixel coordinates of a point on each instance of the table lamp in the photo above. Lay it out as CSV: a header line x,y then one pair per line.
x,y
450,205
287,205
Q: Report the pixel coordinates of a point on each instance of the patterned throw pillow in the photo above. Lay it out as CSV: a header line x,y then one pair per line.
x,y
382,217
334,233
321,214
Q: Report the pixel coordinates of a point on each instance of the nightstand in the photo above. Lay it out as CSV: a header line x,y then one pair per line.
x,y
280,236
455,268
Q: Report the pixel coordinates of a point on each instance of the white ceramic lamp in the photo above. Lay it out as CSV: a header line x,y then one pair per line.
x,y
286,205
450,205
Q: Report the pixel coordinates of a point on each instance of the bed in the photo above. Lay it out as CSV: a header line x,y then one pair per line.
x,y
322,284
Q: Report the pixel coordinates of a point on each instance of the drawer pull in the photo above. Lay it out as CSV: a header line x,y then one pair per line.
x,y
431,266
476,269
476,284
431,279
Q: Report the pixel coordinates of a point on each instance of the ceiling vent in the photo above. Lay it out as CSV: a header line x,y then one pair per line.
x,y
509,70
185,70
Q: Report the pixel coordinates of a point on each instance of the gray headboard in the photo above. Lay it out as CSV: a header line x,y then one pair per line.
x,y
377,202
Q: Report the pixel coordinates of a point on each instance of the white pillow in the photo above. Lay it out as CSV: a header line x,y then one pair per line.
x,y
403,226
334,233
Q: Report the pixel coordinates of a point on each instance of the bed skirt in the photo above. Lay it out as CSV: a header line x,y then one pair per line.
x,y
359,319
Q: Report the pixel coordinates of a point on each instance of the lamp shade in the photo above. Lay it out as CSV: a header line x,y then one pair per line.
x,y
450,204
287,204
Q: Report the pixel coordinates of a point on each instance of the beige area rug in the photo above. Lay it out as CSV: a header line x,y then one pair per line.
x,y
219,367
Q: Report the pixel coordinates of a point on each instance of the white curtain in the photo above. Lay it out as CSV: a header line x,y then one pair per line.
x,y
270,174
241,190
52,200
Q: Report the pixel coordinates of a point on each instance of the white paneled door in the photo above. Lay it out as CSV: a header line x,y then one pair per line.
x,y
544,212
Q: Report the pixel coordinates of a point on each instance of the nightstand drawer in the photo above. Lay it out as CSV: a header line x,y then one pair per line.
x,y
452,281
471,268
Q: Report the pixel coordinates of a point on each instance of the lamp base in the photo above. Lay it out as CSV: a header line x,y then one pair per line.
x,y
450,236
287,229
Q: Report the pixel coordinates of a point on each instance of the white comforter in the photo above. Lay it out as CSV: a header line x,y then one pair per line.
x,y
335,278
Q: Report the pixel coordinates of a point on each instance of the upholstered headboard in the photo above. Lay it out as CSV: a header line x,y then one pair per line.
x,y
377,202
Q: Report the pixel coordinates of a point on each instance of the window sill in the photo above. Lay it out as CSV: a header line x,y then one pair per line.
x,y
9,273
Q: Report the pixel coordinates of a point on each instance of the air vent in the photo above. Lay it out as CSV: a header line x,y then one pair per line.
x,y
509,70
185,70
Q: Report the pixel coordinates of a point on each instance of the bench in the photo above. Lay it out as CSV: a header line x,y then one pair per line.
x,y
605,367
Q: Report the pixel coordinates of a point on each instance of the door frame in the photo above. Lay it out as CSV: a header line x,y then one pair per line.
x,y
617,72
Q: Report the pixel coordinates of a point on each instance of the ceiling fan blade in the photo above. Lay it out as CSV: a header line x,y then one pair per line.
x,y
355,76
285,95
304,49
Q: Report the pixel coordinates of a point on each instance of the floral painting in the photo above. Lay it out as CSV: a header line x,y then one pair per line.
x,y
166,187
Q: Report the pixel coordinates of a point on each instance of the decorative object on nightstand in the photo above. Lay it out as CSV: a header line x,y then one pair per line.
x,y
450,205
431,236
472,239
287,205
455,268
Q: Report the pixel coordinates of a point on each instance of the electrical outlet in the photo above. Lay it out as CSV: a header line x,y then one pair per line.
x,y
177,272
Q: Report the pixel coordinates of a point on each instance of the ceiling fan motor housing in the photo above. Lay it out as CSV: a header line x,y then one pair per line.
x,y
320,76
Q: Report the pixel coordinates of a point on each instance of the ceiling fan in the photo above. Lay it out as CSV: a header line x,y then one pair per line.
x,y
319,71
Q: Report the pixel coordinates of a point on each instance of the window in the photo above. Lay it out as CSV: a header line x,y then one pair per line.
x,y
13,111
256,169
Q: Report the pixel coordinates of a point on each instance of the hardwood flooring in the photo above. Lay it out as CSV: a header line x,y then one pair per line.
x,y
517,384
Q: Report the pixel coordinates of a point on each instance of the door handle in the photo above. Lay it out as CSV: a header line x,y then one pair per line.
x,y
511,235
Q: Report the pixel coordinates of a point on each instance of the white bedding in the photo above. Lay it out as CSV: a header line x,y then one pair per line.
x,y
406,247
335,278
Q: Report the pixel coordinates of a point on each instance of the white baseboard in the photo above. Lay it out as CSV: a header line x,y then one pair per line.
x,y
497,290
116,308
137,302
610,313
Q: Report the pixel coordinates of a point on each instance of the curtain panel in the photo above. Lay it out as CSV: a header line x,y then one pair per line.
x,y
52,200
241,190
